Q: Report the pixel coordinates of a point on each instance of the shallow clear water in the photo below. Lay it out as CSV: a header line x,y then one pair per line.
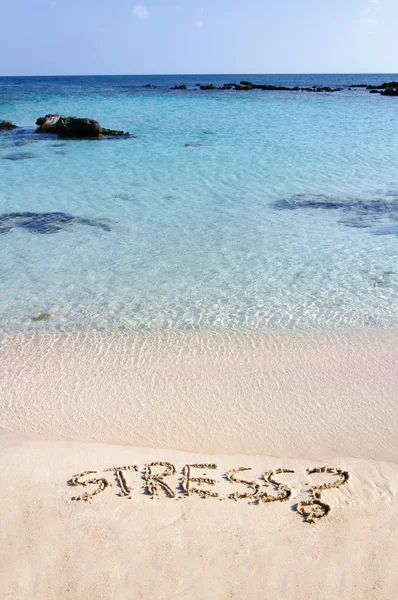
x,y
225,210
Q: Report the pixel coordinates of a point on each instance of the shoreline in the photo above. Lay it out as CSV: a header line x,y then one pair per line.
x,y
289,394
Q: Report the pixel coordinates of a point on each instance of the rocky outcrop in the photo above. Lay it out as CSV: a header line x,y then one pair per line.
x,y
179,87
113,132
385,89
248,85
389,92
74,127
7,126
383,86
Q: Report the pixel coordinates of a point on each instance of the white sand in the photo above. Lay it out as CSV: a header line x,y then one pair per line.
x,y
260,401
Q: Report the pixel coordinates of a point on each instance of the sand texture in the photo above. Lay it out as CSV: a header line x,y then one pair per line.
x,y
186,546
293,395
199,467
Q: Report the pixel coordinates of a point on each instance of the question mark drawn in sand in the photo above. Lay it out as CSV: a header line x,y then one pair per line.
x,y
314,508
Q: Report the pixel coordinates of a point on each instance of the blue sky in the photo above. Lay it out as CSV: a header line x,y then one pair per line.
x,y
57,37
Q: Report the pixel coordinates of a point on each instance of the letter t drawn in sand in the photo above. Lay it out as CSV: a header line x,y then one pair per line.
x,y
125,490
187,480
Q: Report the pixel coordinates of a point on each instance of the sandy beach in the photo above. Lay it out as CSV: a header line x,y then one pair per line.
x,y
104,408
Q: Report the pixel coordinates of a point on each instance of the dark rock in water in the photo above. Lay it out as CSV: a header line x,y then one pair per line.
x,y
44,223
193,145
248,85
244,85
113,132
378,205
48,122
374,92
19,156
389,92
383,86
73,127
61,145
360,212
42,317
7,126
148,85
179,87
25,142
69,126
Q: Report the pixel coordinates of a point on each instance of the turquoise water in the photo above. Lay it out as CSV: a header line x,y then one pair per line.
x,y
224,211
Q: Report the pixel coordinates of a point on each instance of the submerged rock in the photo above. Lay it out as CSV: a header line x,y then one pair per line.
x,y
74,127
7,126
44,223
358,212
19,156
387,205
42,317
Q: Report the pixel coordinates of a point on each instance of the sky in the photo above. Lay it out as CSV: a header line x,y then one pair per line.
x,y
83,37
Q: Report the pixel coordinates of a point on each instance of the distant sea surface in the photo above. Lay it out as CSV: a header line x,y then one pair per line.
x,y
223,211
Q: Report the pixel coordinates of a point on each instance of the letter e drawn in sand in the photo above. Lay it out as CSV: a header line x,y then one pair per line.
x,y
314,508
155,481
286,491
125,490
187,480
87,496
253,495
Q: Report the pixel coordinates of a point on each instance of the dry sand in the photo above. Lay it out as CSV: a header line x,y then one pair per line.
x,y
76,403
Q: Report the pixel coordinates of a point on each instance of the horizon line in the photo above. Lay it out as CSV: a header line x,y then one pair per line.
x,y
201,74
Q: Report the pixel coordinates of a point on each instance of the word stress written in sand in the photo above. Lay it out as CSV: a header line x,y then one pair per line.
x,y
162,479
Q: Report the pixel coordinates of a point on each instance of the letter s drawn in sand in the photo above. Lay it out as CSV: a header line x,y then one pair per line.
x,y
87,496
286,491
231,476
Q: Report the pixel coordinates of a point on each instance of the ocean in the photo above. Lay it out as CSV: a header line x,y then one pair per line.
x,y
223,211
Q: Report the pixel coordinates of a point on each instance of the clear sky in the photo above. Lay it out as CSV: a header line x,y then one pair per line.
x,y
62,37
